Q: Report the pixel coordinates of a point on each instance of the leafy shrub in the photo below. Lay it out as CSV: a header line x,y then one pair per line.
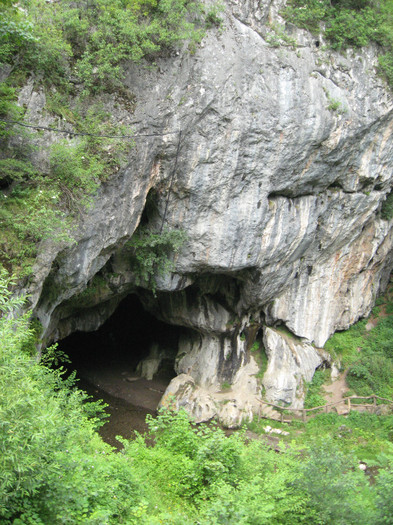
x,y
345,345
15,32
348,23
337,490
150,254
93,39
384,487
53,466
35,207
372,374
314,397
387,205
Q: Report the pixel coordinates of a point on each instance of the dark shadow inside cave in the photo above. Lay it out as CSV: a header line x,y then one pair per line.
x,y
106,362
130,357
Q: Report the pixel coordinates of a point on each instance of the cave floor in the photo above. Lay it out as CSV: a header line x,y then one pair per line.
x,y
129,399
118,382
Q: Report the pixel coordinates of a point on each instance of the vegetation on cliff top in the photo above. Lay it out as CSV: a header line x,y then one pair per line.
x,y
349,23
87,41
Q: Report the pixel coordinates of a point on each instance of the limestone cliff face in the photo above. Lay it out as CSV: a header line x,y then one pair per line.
x,y
278,189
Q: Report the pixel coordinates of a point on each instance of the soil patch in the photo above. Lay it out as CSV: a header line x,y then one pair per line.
x,y
335,392
129,398
124,417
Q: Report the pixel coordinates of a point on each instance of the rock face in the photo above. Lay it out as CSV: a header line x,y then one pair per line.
x,y
278,193
291,364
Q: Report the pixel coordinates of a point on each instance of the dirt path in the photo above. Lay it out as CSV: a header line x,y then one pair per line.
x,y
334,393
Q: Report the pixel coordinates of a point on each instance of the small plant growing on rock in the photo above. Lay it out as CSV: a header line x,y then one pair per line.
x,y
151,252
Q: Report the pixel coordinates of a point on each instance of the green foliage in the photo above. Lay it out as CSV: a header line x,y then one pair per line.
x,y
226,480
277,37
15,32
333,104
36,206
387,205
372,373
338,491
314,397
368,355
344,346
384,488
349,23
260,357
8,110
385,67
213,15
53,466
27,216
150,254
76,173
90,295
91,40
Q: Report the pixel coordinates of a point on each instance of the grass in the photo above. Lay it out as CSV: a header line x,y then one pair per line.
x,y
368,435
314,396
368,354
259,354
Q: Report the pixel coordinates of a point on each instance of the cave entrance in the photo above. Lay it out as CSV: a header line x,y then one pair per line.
x,y
129,358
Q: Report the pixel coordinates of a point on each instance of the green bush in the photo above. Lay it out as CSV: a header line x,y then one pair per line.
x,y
91,40
150,254
372,374
314,396
387,205
53,466
348,23
337,490
345,345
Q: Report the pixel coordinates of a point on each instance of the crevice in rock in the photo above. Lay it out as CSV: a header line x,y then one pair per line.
x,y
150,211
288,193
335,186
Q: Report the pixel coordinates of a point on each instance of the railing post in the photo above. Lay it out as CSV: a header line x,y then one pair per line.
x,y
375,403
349,404
304,415
282,417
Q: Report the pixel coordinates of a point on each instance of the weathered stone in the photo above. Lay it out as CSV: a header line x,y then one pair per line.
x,y
182,392
291,364
149,366
279,196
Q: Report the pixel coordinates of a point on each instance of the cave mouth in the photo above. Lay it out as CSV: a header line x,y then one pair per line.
x,y
131,356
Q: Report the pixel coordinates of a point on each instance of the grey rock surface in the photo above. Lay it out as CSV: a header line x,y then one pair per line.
x,y
279,196
291,364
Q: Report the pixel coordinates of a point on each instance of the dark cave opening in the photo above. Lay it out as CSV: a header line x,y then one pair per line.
x,y
125,339
108,365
